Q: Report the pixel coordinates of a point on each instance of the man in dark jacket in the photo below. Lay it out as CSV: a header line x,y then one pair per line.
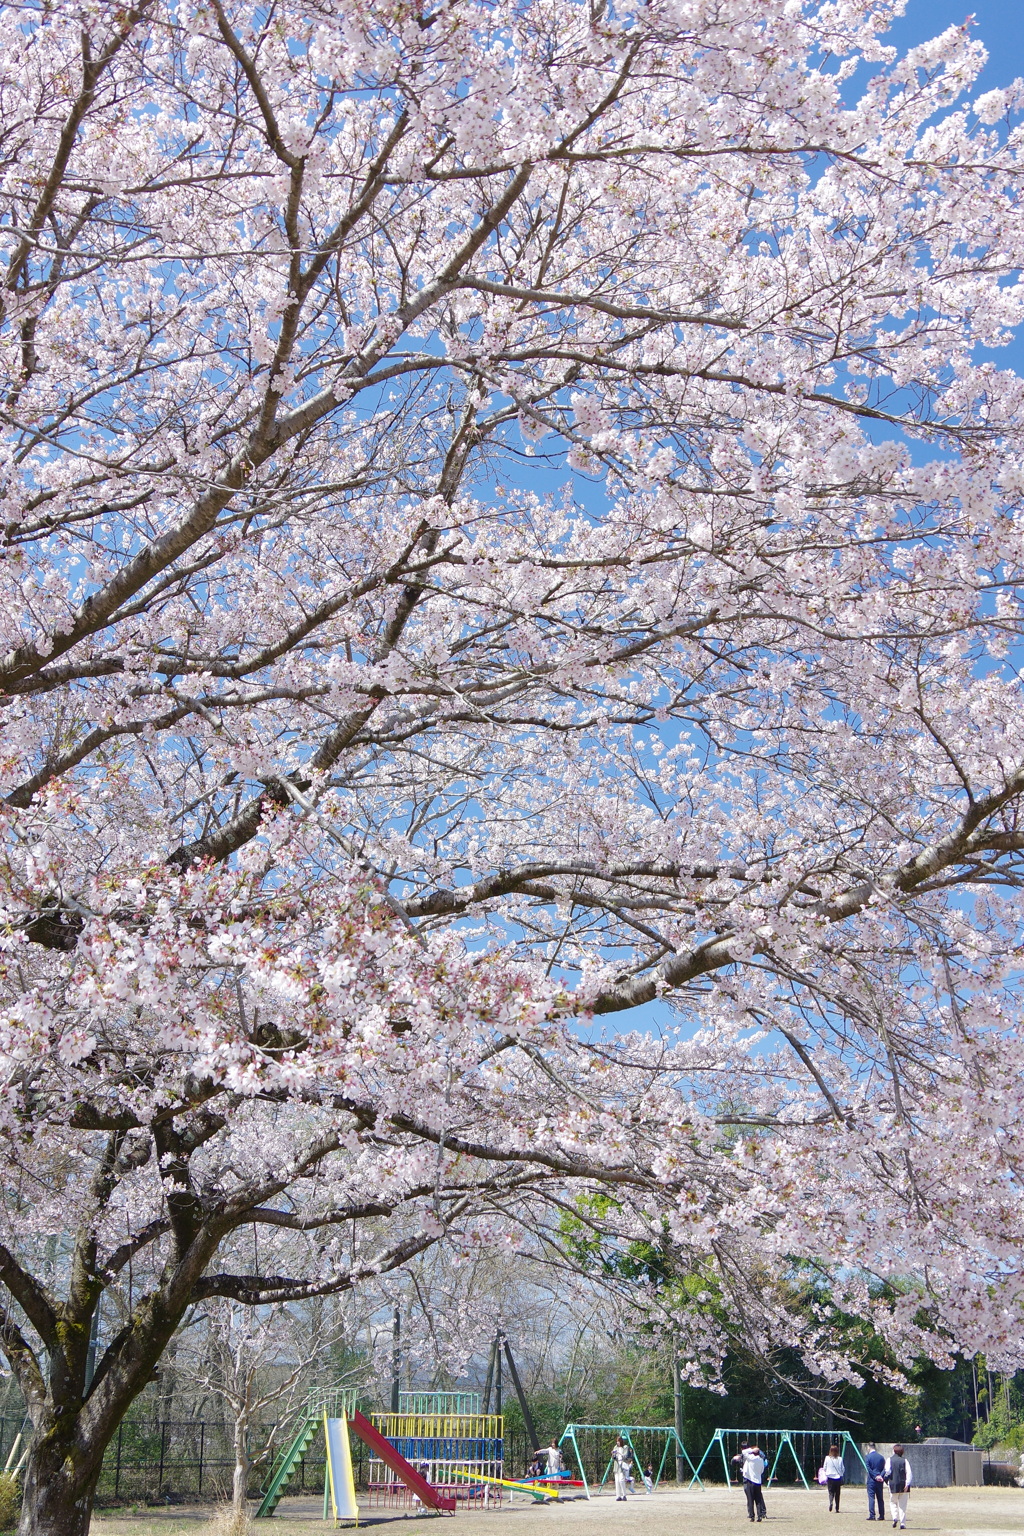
x,y
875,1463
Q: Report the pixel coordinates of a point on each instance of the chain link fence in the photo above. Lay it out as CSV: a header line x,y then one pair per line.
x,y
184,1461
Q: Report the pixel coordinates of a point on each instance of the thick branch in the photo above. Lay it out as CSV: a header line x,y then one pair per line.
x,y
257,1290
30,1296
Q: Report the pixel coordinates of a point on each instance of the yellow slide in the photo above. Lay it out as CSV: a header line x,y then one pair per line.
x,y
340,1480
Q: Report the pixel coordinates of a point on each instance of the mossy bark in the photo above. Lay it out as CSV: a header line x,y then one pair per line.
x,y
58,1488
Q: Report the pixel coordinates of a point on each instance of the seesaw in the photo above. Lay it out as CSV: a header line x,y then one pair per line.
x,y
504,1482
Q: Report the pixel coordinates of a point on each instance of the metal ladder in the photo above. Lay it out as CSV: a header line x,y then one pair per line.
x,y
284,1468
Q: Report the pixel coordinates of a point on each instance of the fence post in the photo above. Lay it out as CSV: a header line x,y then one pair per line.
x,y
163,1438
202,1438
117,1463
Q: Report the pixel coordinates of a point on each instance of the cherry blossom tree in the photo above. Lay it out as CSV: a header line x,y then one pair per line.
x,y
511,512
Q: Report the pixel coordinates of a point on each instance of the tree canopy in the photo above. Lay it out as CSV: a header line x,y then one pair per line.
x,y
511,512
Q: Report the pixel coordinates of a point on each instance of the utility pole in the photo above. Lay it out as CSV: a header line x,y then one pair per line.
x,y
531,1432
396,1360
677,1396
489,1383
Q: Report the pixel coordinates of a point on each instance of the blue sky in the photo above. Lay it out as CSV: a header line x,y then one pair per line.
x,y
998,23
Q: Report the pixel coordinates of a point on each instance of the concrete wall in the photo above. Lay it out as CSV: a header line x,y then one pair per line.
x,y
932,1463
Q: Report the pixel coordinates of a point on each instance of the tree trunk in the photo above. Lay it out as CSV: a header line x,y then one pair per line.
x,y
240,1485
58,1493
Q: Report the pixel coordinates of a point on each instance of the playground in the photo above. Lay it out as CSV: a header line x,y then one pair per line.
x,y
433,1455
711,1511
443,1454
437,1455
437,1452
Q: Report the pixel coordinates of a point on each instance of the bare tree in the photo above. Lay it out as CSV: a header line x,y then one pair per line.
x,y
251,1361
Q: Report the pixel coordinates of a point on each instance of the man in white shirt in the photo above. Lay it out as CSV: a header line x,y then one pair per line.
x,y
899,1476
754,1468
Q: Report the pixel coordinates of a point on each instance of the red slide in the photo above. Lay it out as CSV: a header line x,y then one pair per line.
x,y
398,1464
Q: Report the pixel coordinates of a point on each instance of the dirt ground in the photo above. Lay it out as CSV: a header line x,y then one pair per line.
x,y
712,1512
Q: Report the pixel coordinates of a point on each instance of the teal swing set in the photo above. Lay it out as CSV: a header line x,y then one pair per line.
x,y
627,1431
816,1440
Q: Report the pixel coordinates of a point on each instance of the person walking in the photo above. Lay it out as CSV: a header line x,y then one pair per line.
x,y
899,1476
835,1470
875,1463
621,1463
754,1468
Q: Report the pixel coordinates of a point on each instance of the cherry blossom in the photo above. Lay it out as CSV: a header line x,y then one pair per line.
x,y
511,513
